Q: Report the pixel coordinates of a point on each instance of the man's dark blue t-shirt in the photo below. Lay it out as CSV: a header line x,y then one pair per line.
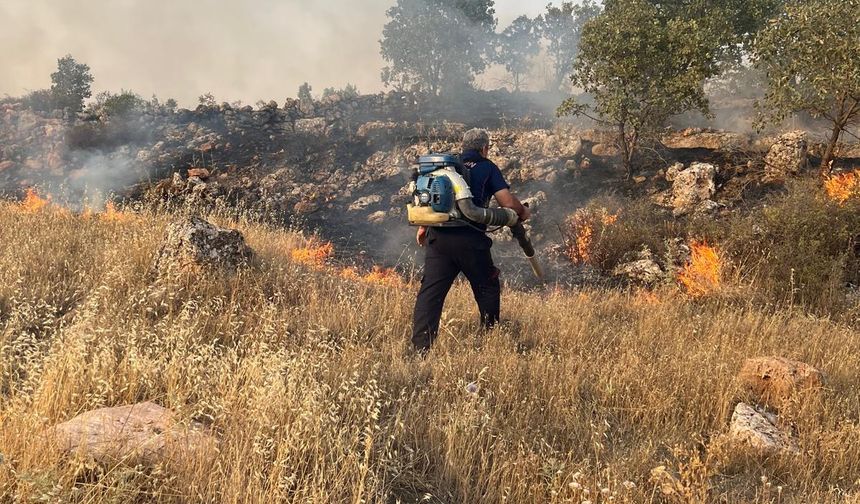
x,y
485,180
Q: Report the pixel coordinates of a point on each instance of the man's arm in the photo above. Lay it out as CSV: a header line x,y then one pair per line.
x,y
506,199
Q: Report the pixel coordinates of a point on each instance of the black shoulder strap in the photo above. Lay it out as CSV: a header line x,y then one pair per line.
x,y
464,171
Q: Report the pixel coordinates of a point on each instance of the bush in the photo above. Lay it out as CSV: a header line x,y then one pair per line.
x,y
41,100
122,105
799,246
608,230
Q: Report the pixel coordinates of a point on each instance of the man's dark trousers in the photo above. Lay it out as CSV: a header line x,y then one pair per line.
x,y
450,252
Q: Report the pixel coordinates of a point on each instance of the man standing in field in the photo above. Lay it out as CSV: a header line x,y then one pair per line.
x,y
454,250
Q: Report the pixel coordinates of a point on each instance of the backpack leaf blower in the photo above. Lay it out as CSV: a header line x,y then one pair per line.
x,y
442,198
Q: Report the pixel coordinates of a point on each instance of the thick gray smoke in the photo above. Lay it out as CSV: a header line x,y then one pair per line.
x,y
257,49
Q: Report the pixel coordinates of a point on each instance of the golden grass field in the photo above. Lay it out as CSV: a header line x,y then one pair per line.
x,y
306,378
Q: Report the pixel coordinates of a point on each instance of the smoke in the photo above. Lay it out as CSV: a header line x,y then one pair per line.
x,y
183,48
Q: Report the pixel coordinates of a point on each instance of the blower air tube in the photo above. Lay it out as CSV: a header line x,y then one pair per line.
x,y
488,216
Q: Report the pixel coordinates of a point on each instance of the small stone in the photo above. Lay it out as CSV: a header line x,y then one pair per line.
x,y
754,429
201,173
644,270
364,202
692,186
377,217
605,150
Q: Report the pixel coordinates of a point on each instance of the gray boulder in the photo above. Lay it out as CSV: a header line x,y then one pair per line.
x,y
194,244
788,156
758,430
692,186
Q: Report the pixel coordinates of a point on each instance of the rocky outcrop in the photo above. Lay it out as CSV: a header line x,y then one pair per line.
x,y
193,244
605,150
143,433
758,430
365,202
705,139
643,270
776,380
788,156
691,186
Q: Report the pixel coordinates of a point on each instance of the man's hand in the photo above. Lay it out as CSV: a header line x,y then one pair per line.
x,y
526,215
421,237
507,200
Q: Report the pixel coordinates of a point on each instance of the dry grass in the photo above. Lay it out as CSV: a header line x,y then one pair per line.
x,y
306,379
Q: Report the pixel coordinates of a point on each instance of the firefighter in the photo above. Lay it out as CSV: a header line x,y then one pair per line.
x,y
454,250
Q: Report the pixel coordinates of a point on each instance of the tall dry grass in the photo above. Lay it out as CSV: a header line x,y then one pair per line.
x,y
306,379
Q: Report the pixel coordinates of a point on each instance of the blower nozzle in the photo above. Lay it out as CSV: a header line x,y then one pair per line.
x,y
522,237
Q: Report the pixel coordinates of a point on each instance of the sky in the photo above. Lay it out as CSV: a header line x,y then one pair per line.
x,y
237,50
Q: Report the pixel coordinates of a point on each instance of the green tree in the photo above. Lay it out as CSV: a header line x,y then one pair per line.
x,y
70,84
729,25
517,45
436,45
641,69
561,27
810,56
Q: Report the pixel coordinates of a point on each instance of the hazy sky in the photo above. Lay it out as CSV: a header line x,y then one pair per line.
x,y
238,50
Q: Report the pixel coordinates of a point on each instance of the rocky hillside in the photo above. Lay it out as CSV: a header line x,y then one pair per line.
x,y
341,166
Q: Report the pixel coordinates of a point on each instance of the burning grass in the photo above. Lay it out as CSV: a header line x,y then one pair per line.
x,y
584,230
315,255
33,203
705,272
842,187
306,380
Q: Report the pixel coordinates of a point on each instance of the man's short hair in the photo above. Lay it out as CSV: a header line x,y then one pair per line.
x,y
475,139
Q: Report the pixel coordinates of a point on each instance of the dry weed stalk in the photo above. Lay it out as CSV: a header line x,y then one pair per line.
x,y
305,378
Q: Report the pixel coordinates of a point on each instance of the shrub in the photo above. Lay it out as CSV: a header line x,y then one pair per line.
x,y
608,230
799,246
41,100
122,105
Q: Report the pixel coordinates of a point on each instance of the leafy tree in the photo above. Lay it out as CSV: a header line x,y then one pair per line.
x,y
562,28
640,69
122,105
517,45
436,45
71,83
810,56
729,25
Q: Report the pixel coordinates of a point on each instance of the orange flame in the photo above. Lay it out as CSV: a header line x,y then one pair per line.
x,y
383,276
315,256
111,214
378,276
704,274
843,187
33,202
580,247
318,256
